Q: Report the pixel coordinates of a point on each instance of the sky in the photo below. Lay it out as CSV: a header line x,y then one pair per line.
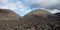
x,y
22,7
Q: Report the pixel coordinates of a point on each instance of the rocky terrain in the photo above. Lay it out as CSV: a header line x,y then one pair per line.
x,y
35,20
42,20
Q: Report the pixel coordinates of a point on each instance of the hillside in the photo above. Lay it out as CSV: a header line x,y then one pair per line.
x,y
41,20
8,14
36,20
37,12
8,19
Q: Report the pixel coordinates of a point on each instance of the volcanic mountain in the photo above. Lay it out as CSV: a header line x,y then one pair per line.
x,y
38,12
41,19
36,16
8,19
7,14
36,20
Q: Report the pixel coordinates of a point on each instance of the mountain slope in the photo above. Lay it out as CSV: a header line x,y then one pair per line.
x,y
37,12
41,19
36,16
7,14
8,19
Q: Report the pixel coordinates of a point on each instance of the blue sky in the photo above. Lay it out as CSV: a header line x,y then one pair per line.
x,y
15,5
23,7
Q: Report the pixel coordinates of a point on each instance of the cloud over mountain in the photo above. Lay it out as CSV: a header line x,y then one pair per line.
x,y
47,4
15,5
51,4
24,6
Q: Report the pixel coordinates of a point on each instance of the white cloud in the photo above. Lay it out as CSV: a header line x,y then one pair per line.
x,y
46,4
12,6
18,5
27,11
42,3
54,11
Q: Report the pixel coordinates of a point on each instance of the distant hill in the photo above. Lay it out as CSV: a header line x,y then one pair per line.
x,y
7,14
37,12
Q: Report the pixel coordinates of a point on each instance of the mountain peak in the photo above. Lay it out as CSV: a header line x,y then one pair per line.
x,y
7,14
37,12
